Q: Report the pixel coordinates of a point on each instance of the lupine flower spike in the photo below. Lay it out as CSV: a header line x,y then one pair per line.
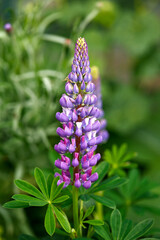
x,y
80,125
103,123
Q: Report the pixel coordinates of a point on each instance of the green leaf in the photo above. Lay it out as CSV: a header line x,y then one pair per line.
x,y
139,230
104,201
126,227
23,197
94,222
149,239
30,200
49,183
16,204
28,188
81,214
55,190
49,222
61,232
83,238
110,183
102,170
84,197
63,220
41,181
88,212
38,203
58,190
103,232
116,223
61,199
122,151
26,237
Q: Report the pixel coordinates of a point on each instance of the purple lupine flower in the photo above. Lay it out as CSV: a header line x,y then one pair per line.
x,y
79,123
8,27
103,123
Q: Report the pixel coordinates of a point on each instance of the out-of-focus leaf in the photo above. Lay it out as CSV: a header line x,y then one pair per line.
x,y
56,39
126,227
110,183
102,170
139,230
103,231
26,237
47,20
135,110
104,201
88,212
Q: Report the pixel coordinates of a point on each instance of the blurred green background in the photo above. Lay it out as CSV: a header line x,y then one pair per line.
x,y
35,57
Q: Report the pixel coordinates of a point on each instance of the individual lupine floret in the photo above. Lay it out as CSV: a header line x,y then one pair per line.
x,y
79,123
103,123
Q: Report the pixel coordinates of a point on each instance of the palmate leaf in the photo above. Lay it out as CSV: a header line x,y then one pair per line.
x,y
30,200
103,231
88,212
84,197
58,190
126,228
63,220
49,183
102,170
61,199
104,201
29,188
116,223
61,232
83,238
16,204
55,190
94,222
118,159
123,231
149,239
50,222
41,181
110,183
140,229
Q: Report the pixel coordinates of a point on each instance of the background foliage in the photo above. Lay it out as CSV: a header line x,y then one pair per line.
x,y
123,39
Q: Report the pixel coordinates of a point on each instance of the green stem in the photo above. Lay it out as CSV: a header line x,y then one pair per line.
x,y
99,206
75,208
80,227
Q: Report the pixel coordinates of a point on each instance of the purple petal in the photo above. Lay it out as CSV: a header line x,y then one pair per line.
x,y
93,177
87,184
